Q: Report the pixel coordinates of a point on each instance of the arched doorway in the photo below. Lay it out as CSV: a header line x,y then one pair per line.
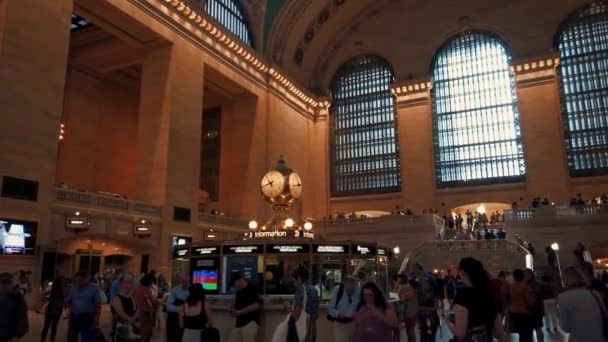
x,y
99,253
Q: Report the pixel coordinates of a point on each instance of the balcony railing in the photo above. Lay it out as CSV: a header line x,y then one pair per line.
x,y
450,252
79,199
410,219
558,214
223,220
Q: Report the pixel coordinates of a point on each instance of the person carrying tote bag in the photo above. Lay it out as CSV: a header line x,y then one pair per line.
x,y
291,329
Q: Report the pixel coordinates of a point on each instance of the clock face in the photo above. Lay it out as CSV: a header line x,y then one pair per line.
x,y
295,185
273,184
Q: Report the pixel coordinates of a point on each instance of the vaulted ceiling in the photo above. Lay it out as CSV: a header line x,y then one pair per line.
x,y
310,39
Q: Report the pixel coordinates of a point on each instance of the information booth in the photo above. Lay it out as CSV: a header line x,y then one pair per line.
x,y
268,264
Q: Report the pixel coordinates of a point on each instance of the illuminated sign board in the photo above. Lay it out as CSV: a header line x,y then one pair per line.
x,y
243,249
181,253
207,250
288,248
273,234
331,249
76,223
381,251
363,250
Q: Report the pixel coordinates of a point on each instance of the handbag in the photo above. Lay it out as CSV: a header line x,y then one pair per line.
x,y
210,334
477,334
281,332
125,331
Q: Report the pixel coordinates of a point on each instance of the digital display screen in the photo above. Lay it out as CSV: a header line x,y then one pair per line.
x,y
207,278
17,237
178,241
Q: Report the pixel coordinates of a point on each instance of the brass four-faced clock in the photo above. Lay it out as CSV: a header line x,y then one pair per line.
x,y
281,186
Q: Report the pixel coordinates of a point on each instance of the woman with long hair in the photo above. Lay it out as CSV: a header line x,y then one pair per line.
x,y
521,299
54,309
195,314
375,320
477,315
581,310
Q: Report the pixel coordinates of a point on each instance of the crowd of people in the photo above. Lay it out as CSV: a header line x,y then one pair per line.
x,y
472,305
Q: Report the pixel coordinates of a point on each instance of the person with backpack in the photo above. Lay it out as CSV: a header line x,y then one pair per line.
x,y
342,308
582,313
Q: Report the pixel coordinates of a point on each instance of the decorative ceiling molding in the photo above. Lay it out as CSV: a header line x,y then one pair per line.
x,y
281,28
315,26
223,44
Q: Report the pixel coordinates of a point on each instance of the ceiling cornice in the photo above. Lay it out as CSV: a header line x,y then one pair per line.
x,y
212,37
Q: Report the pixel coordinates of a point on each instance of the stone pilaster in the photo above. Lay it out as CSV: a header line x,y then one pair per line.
x,y
414,124
542,129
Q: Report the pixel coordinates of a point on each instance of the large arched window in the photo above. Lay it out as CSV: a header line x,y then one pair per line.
x,y
365,152
583,46
229,14
475,121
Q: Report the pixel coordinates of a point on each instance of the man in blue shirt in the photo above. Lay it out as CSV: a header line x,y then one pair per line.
x,y
342,307
84,302
177,297
115,286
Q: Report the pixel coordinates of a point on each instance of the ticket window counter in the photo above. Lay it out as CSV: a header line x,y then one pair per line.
x,y
369,263
180,264
330,266
279,262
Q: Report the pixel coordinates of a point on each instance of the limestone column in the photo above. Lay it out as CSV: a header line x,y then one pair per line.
x,y
414,124
542,131
34,42
169,138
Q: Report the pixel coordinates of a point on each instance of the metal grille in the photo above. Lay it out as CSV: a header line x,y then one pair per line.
x,y
475,121
210,152
78,23
365,149
583,45
228,13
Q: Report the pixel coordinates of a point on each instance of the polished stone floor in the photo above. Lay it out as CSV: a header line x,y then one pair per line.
x,y
37,322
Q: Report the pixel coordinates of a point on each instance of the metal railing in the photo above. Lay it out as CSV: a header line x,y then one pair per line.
x,y
105,202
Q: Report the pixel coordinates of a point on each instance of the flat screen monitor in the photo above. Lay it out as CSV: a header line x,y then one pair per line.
x,y
207,278
17,237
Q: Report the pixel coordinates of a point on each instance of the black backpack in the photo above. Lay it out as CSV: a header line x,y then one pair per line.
x,y
340,294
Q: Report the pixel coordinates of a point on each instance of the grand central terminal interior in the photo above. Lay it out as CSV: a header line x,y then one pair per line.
x,y
355,137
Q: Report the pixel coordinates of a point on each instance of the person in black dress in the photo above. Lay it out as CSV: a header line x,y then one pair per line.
x,y
54,309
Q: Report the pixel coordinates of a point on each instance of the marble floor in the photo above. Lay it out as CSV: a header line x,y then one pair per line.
x,y
37,322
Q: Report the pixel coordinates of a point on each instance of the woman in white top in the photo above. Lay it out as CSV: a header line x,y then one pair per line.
x,y
581,310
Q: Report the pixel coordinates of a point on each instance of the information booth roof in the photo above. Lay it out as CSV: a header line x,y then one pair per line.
x,y
352,249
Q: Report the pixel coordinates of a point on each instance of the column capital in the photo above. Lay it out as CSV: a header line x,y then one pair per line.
x,y
411,92
322,108
536,70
